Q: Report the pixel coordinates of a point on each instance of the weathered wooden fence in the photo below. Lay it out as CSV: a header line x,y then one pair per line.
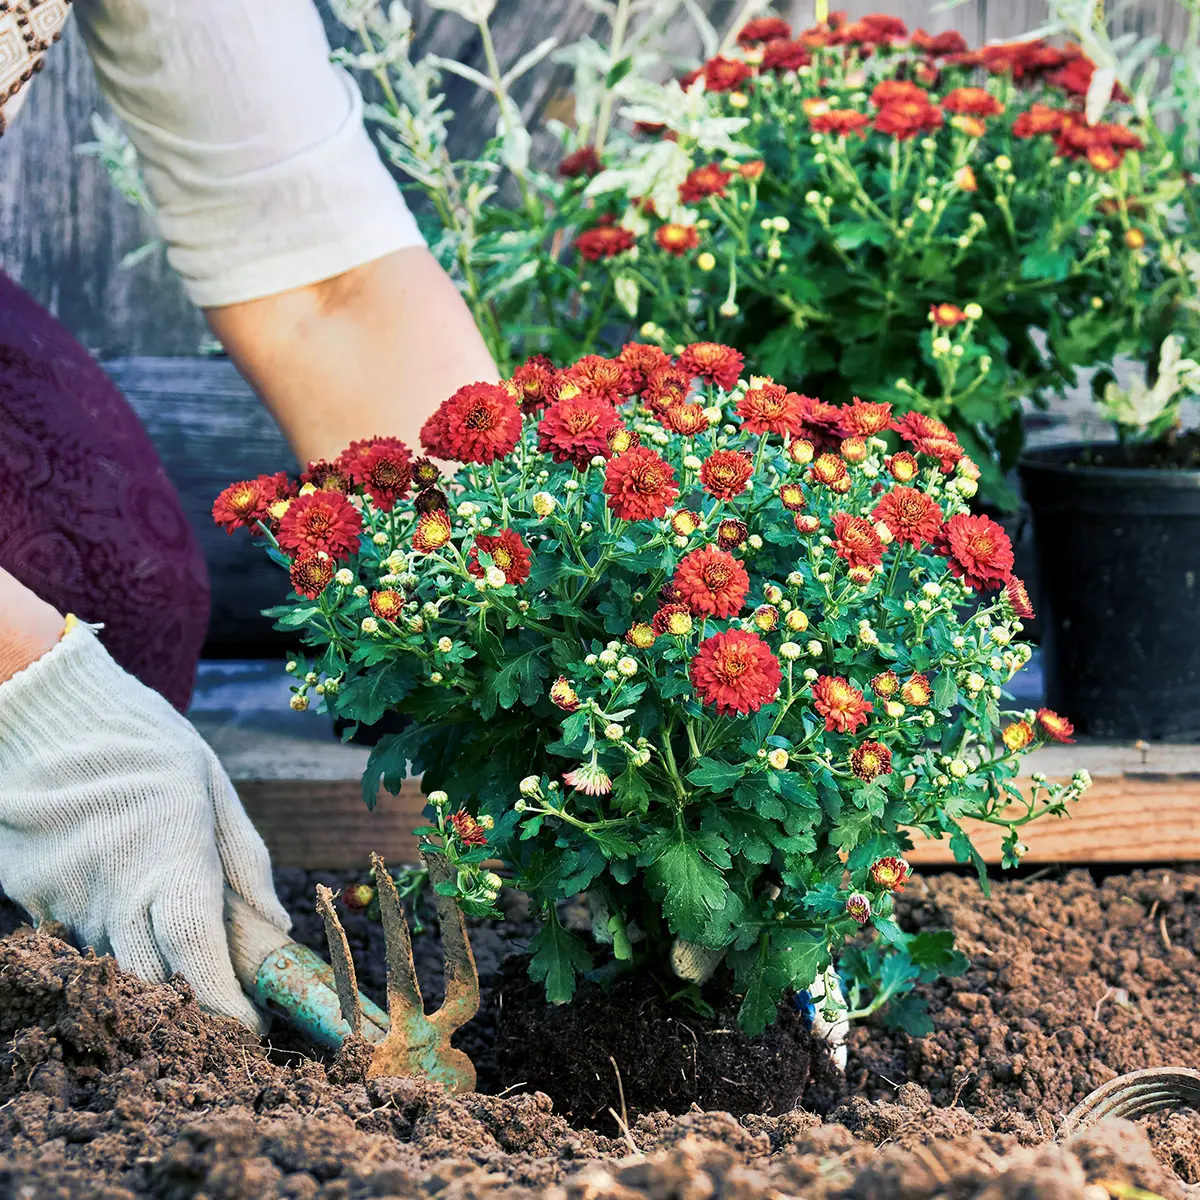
x,y
63,230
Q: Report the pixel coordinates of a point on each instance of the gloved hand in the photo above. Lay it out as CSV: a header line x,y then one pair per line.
x,y
117,819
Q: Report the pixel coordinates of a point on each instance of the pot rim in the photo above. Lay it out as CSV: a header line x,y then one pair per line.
x,y
1045,460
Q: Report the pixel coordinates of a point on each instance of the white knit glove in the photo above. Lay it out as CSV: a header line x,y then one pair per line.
x,y
117,820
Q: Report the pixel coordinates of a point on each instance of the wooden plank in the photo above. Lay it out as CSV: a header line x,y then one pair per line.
x,y
210,430
1141,809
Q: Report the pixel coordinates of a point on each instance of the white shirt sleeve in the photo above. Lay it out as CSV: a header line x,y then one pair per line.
x,y
252,142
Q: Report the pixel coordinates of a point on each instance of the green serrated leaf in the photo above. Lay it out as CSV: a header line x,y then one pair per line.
x,y
715,775
555,958
684,873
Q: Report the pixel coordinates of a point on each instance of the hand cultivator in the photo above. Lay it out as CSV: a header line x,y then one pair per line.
x,y
415,1043
325,1003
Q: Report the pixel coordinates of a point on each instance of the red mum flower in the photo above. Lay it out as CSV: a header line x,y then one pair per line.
x,y
735,672
584,161
974,101
535,384
1017,595
792,496
666,387
712,582
763,29
720,365
468,830
576,429
239,506
770,408
916,690
685,419
324,521
677,239
904,119
898,91
1018,735
478,424
1057,728
384,471
702,182
641,361
806,523
725,74
854,450
640,485
326,476
856,540
508,552
563,694
675,619
604,241
821,423
725,473
858,907
602,378
886,685
1038,119
930,436
623,439
864,420
841,704
869,760
939,45
731,533
946,316
311,573
785,56
840,121
903,467
978,550
911,516
387,605
432,532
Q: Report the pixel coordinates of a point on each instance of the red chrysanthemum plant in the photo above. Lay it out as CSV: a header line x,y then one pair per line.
x,y
709,649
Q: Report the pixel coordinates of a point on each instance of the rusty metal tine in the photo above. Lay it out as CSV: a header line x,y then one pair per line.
x,y
403,990
461,975
1136,1094
343,964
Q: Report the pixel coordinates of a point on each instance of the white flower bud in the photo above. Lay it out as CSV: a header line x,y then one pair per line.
x,y
778,758
344,577
627,666
380,539
790,651
815,649
438,799
369,625
544,504
495,577
298,702
445,645
614,732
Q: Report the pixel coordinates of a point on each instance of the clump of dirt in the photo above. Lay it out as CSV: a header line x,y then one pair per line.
x,y
1072,982
633,1045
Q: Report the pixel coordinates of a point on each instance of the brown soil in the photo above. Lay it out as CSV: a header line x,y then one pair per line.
x,y
115,1089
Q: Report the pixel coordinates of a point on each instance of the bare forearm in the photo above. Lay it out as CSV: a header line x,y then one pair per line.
x,y
373,351
29,627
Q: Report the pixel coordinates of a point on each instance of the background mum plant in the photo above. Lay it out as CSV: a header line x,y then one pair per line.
x,y
701,647
809,196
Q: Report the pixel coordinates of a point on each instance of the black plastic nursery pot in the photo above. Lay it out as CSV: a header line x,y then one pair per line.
x,y
1118,549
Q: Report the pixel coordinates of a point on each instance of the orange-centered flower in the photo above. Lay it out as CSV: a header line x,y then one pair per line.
x,y
508,552
719,365
478,424
324,521
1055,727
978,550
770,408
1018,735
576,429
726,473
840,703
311,573
916,691
856,540
640,485
869,760
912,516
388,605
735,672
711,582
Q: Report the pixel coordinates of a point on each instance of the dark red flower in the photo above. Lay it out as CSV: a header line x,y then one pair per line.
x,y
677,239
702,182
1017,595
979,551
712,582
856,540
911,516
841,704
905,119
792,496
311,573
903,467
320,521
535,384
604,241
821,423
508,552
576,429
898,91
763,29
387,605
384,470
725,473
770,408
719,365
674,619
480,423
584,161
640,485
327,476
936,46
839,121
468,830
731,533
1038,119
1057,728
928,435
640,361
666,387
685,419
785,56
891,873
869,760
602,378
735,672
725,74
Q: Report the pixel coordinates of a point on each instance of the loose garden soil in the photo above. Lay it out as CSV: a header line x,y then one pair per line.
x,y
114,1089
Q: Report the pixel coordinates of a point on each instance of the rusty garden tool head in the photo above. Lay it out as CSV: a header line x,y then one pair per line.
x,y
1137,1094
417,1043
